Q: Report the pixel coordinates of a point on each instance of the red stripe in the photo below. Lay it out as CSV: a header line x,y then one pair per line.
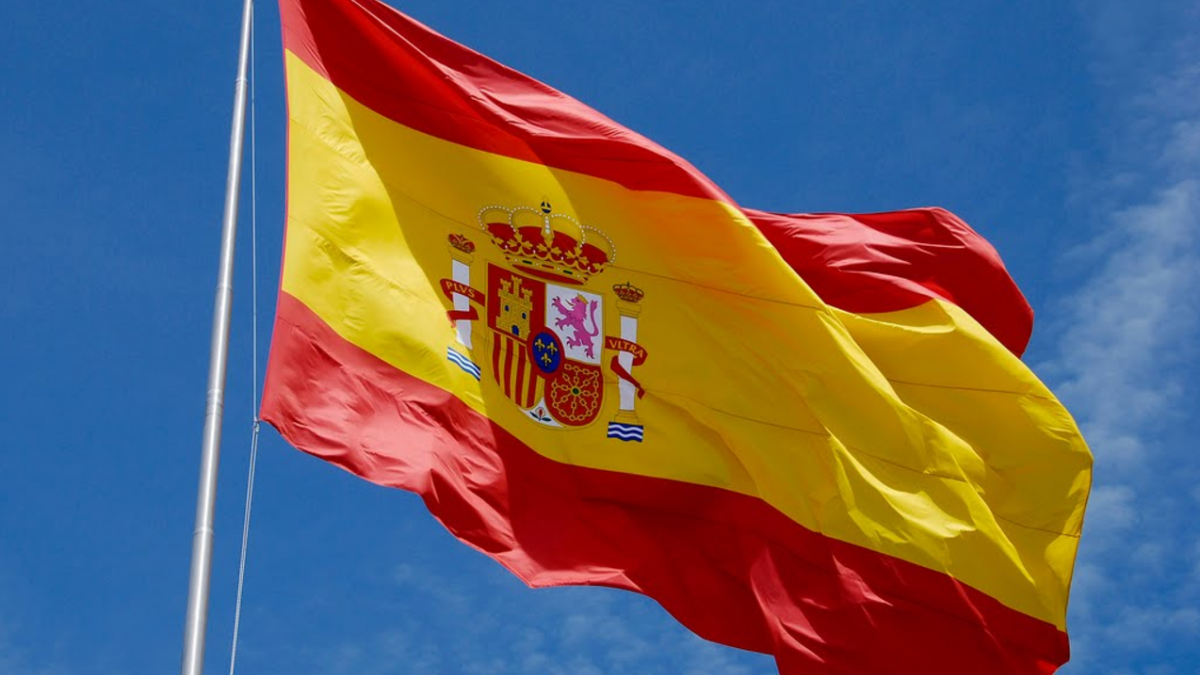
x,y
728,566
510,346
497,343
531,383
408,73
521,395
884,262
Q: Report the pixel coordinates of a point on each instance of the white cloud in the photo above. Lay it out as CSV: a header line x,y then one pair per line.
x,y
1111,509
1128,321
1124,364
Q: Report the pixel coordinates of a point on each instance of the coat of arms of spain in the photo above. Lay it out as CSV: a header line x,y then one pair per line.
x,y
545,341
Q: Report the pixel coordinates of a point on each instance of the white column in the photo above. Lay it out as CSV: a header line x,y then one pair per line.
x,y
462,274
628,392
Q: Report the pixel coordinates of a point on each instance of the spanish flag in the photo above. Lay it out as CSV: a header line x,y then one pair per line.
x,y
805,435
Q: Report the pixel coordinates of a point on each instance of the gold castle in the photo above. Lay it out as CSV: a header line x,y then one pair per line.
x,y
516,307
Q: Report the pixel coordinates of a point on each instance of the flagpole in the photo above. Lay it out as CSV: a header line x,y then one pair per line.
x,y
210,451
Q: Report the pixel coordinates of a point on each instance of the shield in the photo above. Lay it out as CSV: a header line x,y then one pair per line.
x,y
546,347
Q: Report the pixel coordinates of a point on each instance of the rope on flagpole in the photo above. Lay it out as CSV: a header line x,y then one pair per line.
x,y
237,608
237,611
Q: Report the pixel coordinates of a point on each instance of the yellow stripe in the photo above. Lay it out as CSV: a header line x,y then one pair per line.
x,y
942,363
753,384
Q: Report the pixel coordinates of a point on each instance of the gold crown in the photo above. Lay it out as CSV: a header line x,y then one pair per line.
x,y
628,292
461,243
548,245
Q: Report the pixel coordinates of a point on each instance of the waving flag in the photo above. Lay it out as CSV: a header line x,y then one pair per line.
x,y
805,435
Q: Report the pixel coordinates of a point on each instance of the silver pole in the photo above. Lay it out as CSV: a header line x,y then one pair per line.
x,y
210,452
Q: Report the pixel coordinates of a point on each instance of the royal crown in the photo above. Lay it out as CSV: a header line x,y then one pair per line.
x,y
548,245
461,243
628,292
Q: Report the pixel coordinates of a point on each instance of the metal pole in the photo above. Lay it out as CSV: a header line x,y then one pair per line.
x,y
210,452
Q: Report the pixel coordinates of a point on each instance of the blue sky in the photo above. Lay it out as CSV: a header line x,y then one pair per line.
x,y
1067,133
